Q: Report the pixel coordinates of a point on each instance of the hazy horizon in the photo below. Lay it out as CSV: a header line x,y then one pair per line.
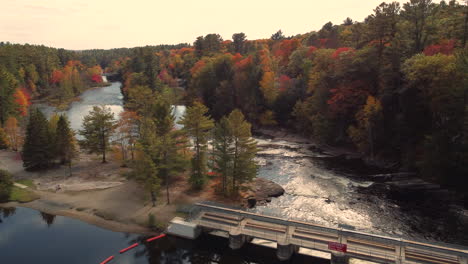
x,y
79,25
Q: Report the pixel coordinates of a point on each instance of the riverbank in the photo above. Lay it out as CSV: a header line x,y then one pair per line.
x,y
65,105
99,194
331,186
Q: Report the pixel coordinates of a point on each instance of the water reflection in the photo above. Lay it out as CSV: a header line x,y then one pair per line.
x,y
48,218
6,212
53,239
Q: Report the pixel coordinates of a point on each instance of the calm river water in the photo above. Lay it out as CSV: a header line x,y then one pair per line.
x,y
28,236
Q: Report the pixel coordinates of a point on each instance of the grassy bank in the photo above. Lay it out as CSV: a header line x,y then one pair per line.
x,y
22,195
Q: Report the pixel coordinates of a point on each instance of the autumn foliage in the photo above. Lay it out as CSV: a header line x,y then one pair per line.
x,y
22,99
339,51
96,78
445,48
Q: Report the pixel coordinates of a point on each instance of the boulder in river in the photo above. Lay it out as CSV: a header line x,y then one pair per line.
x,y
259,192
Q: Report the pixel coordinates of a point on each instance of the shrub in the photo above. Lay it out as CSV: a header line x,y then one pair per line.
x,y
6,184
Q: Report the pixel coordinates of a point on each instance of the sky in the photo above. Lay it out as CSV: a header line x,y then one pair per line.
x,y
87,24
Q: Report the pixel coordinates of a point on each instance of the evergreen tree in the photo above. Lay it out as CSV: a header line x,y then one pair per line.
x,y
198,126
65,142
244,150
162,142
7,89
6,184
222,158
98,128
4,144
146,172
37,152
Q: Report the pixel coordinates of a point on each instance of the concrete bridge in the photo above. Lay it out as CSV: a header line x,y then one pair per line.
x,y
289,235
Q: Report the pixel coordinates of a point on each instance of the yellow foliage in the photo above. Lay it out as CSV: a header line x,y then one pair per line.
x,y
267,85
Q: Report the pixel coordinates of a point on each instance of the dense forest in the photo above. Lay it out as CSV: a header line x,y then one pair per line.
x,y
393,87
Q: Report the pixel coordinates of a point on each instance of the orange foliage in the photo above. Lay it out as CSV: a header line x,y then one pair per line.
x,y
197,67
243,64
22,98
57,76
184,51
237,57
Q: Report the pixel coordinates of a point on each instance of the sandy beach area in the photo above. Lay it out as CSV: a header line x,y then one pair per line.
x,y
99,194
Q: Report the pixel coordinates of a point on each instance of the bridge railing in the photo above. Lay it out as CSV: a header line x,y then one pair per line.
x,y
388,240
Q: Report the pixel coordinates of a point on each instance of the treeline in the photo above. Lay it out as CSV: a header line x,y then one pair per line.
x,y
36,72
393,86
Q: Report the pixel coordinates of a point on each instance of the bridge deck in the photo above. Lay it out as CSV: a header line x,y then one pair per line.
x,y
360,245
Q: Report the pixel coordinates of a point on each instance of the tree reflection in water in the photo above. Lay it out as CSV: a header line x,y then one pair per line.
x,y
6,212
48,218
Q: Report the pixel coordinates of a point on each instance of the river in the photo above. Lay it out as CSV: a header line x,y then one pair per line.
x,y
316,191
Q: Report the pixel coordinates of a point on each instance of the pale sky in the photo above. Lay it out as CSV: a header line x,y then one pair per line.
x,y
86,24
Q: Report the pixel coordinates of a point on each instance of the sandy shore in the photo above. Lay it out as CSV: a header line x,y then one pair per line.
x,y
98,194
85,217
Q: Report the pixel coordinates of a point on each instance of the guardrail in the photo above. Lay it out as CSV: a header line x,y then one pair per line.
x,y
359,242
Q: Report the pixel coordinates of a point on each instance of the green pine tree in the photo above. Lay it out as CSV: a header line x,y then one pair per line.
x,y
162,142
198,126
7,89
98,127
37,152
222,158
6,184
244,149
65,142
145,171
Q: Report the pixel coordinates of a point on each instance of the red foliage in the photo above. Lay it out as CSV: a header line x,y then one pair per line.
x,y
346,100
338,51
445,48
167,78
311,50
286,47
96,78
213,173
285,83
57,76
237,57
243,64
323,42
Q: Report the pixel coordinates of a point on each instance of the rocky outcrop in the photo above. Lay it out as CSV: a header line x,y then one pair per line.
x,y
259,192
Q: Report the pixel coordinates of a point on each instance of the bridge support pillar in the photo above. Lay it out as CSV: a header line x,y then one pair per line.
x,y
285,250
399,254
236,239
339,258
